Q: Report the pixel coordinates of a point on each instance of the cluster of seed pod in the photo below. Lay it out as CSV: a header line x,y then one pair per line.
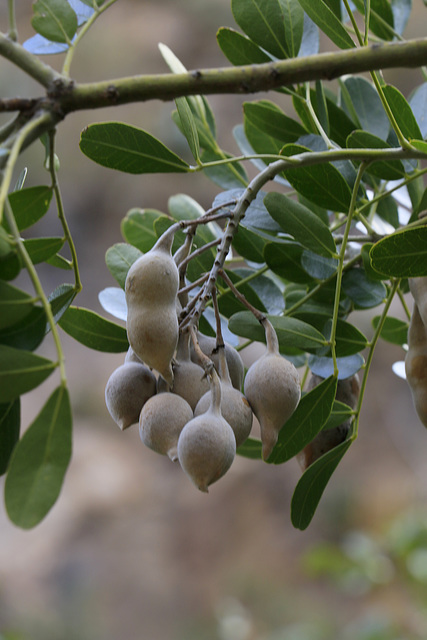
x,y
186,393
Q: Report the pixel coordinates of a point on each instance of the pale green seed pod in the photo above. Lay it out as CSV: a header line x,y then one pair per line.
x,y
127,390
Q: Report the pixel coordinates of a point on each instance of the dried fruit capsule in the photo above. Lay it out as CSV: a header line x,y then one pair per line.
x,y
235,409
127,390
206,445
416,363
273,390
348,390
189,380
161,421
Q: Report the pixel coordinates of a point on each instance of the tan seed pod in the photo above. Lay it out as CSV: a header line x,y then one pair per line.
x,y
348,390
206,445
151,289
273,390
235,409
189,379
127,390
132,357
161,421
416,363
234,361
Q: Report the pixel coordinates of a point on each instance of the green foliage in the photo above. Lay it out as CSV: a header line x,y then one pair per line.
x,y
317,233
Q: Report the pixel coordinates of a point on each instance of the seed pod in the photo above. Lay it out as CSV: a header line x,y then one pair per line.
x,y
235,409
207,446
348,390
127,390
189,380
235,364
418,288
273,390
151,289
161,421
132,357
416,363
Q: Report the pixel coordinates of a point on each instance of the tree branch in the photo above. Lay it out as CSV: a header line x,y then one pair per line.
x,y
246,78
29,63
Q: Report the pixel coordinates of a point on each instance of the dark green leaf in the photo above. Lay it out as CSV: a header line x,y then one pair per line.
x,y
93,331
60,299
317,266
239,49
249,244
251,448
364,292
394,330
55,20
10,420
388,211
138,228
349,340
305,423
402,113
322,108
290,331
268,118
39,463
120,146
42,249
364,106
402,254
327,21
340,123
183,207
312,484
262,21
381,17
366,259
21,371
267,291
340,413
60,262
293,21
301,223
10,266
285,259
29,205
15,304
27,334
228,303
384,169
119,258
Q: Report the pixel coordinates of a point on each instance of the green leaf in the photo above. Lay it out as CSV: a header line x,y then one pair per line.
x,y
189,127
251,448
28,333
29,205
249,244
290,331
272,121
60,299
267,290
226,176
14,305
388,211
322,107
293,21
318,267
381,17
312,484
384,169
262,21
301,223
21,371
418,104
10,266
402,254
339,414
119,258
228,303
364,292
125,148
93,331
138,228
322,184
364,106
60,262
10,420
370,272
42,249
183,207
402,113
394,330
285,259
327,21
349,339
239,49
54,20
305,423
39,463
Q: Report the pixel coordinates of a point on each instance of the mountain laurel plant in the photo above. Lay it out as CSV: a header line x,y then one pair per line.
x,y
331,223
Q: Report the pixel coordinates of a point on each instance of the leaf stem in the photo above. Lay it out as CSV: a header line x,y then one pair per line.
x,y
13,31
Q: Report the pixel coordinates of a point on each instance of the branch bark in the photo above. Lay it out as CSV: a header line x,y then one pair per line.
x,y
245,79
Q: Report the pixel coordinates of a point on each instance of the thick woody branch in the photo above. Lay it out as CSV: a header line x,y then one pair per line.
x,y
246,78
29,63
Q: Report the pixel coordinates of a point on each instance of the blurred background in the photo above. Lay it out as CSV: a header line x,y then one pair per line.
x,y
132,549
